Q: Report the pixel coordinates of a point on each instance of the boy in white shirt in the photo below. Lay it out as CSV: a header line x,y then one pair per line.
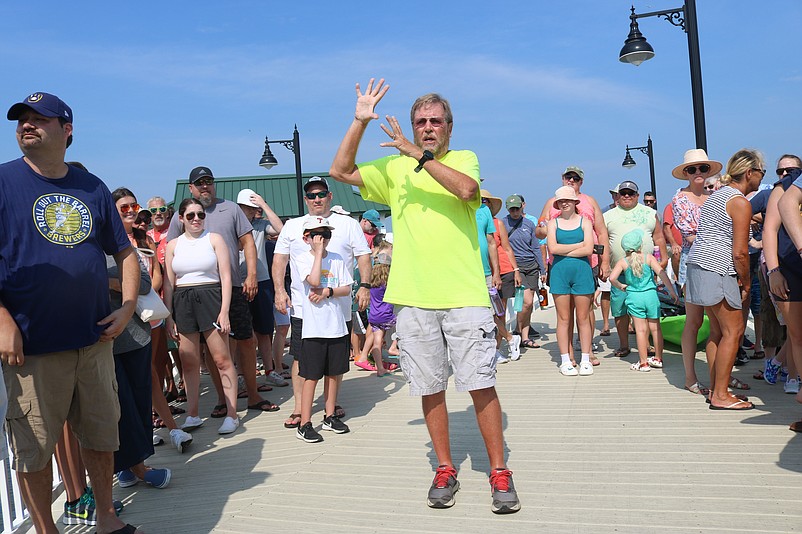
x,y
326,308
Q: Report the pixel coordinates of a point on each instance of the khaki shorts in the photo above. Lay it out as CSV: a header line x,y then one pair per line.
x,y
432,342
78,386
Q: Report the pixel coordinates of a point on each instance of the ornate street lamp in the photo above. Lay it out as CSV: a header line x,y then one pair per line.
x,y
628,162
269,161
636,50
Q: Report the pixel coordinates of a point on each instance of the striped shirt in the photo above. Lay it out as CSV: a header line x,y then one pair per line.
x,y
712,248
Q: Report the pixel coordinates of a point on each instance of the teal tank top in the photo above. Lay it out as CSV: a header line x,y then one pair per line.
x,y
569,237
644,283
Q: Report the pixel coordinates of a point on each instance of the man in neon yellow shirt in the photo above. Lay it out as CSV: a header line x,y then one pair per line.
x,y
438,284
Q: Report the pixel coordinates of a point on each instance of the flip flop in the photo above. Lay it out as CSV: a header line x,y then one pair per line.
x,y
605,332
292,423
264,406
758,355
339,411
733,405
127,529
219,411
621,353
796,426
739,397
264,387
365,365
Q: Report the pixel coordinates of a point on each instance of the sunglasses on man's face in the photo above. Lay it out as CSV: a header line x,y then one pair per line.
x,y
325,234
649,201
201,183
191,215
627,193
572,178
125,208
160,209
319,194
143,218
703,168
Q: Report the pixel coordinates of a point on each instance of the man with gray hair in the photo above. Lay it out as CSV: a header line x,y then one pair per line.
x,y
444,316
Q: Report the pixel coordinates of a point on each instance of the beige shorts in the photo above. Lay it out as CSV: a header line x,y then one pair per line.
x,y
78,386
433,342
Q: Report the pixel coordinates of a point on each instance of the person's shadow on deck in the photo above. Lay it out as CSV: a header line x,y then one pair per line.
x,y
466,440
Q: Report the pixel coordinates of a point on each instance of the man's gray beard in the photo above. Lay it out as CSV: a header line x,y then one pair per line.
x,y
206,201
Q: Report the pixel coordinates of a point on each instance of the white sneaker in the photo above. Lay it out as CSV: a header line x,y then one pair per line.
x,y
567,369
585,369
229,425
500,358
180,439
157,439
274,379
191,423
515,347
792,386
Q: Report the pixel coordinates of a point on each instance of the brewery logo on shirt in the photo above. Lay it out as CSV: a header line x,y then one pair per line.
x,y
62,219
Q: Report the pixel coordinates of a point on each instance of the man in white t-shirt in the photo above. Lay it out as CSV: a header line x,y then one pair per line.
x,y
347,240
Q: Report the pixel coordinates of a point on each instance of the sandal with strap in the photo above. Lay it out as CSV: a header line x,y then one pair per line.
x,y
293,421
698,389
737,384
622,352
529,344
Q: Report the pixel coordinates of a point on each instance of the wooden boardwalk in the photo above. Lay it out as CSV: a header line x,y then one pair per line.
x,y
618,451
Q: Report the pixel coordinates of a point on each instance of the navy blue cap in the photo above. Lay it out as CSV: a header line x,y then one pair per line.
x,y
44,104
200,172
316,180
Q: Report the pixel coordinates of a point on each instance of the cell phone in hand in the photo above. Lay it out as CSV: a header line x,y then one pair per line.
x,y
219,328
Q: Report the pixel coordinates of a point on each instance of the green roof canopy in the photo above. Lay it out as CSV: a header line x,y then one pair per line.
x,y
280,193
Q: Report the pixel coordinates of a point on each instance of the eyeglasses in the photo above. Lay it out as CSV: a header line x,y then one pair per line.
x,y
788,170
125,208
203,182
572,178
191,215
319,194
627,193
160,209
325,234
703,168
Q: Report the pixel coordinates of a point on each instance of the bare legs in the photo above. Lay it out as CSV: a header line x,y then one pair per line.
x,y
488,417
694,316
726,332
525,315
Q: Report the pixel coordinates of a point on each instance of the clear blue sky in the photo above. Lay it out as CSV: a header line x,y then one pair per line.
x,y
158,88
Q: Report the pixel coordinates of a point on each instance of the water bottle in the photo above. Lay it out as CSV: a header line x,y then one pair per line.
x,y
656,254
518,305
495,301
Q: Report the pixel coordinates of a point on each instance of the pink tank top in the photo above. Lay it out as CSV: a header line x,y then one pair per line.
x,y
585,209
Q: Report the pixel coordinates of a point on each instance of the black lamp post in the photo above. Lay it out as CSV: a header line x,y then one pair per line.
x,y
629,162
269,161
636,50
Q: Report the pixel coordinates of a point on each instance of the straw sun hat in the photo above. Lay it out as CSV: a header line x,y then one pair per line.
x,y
494,203
696,156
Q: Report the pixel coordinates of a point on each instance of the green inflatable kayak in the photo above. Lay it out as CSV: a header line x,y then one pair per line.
x,y
672,329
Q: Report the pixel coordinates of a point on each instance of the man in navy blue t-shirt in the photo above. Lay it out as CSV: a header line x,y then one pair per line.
x,y
58,223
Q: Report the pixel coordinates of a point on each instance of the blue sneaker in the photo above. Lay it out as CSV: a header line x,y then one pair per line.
x,y
158,478
770,371
126,479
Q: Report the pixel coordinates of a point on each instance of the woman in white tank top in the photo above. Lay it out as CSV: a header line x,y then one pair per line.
x,y
198,292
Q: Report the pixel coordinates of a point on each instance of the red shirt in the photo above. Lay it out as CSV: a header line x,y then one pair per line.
x,y
161,242
668,218
504,264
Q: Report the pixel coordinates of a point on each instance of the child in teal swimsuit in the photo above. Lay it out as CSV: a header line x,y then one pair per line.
x,y
643,306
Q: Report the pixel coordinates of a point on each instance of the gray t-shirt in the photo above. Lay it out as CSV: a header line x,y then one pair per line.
x,y
260,229
226,219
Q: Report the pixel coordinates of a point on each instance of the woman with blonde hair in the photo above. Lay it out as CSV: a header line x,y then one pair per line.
x,y
718,272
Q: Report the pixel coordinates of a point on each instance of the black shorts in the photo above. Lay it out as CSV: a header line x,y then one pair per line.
x,y
596,270
195,308
508,285
262,309
794,281
323,357
296,342
239,314
530,277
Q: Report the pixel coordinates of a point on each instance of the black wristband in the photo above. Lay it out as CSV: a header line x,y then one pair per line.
x,y
366,286
331,292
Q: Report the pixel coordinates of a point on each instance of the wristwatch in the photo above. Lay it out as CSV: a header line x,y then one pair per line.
x,y
427,156
365,285
331,292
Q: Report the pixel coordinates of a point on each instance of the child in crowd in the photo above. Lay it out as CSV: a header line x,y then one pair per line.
x,y
381,316
326,308
642,302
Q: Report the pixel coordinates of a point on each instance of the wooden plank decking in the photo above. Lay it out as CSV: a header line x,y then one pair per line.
x,y
619,451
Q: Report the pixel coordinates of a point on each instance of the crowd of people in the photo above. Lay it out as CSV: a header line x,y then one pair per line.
x,y
237,281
